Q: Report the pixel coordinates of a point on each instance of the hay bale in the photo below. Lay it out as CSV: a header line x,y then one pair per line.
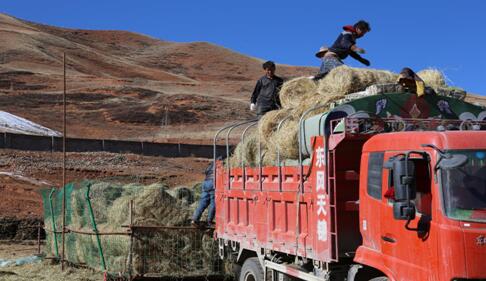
x,y
246,151
294,91
267,125
333,87
314,100
433,78
345,80
286,140
300,94
153,206
118,212
197,191
156,207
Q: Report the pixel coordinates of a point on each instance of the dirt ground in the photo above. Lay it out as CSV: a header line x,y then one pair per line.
x,y
48,271
14,250
44,270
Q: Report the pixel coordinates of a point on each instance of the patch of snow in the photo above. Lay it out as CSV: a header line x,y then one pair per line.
x,y
26,179
14,124
20,261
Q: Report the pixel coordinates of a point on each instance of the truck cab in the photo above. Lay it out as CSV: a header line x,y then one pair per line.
x,y
442,238
388,186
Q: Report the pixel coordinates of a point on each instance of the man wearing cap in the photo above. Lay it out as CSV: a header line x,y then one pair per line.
x,y
344,46
265,96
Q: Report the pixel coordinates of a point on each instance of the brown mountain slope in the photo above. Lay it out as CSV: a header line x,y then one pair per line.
x,y
122,84
126,85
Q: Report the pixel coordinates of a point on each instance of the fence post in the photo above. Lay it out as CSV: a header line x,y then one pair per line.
x,y
95,229
53,222
130,249
38,238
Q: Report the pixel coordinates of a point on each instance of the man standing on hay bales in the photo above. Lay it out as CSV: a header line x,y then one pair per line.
x,y
207,198
344,46
265,96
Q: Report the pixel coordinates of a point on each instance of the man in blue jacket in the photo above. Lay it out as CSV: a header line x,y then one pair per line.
x,y
344,46
207,198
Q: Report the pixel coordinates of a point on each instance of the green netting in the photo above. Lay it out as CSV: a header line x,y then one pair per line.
x,y
52,199
162,245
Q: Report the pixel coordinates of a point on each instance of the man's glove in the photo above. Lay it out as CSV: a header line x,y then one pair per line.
x,y
364,61
252,107
357,57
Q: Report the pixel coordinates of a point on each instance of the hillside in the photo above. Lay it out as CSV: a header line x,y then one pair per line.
x,y
122,84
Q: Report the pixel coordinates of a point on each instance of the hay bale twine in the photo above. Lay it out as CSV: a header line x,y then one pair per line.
x,y
294,90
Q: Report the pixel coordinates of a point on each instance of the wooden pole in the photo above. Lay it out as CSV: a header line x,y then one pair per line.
x,y
39,238
63,162
130,249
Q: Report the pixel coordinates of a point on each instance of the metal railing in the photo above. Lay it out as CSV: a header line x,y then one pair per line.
x,y
215,140
227,146
243,166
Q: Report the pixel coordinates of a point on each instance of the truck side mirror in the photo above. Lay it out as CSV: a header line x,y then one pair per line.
x,y
403,210
404,180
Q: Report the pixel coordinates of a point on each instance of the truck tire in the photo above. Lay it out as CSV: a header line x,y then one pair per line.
x,y
251,270
236,271
381,278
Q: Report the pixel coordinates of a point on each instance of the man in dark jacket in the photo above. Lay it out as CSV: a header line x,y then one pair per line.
x,y
344,46
265,96
207,198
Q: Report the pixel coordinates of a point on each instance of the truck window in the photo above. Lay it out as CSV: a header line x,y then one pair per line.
x,y
375,172
423,201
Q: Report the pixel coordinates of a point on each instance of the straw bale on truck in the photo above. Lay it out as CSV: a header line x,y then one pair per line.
x,y
161,245
300,94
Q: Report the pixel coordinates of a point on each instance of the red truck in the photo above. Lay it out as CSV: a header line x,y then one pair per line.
x,y
388,186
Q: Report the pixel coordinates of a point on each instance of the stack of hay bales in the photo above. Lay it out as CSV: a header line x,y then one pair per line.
x,y
155,251
300,94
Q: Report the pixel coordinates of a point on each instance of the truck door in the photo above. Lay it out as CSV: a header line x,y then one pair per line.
x,y
409,252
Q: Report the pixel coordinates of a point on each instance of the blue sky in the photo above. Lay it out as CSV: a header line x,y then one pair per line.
x,y
448,35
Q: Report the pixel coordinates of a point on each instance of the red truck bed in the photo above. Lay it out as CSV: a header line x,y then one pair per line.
x,y
265,216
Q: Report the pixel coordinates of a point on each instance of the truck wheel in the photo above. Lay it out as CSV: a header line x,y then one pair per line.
x,y
251,270
236,271
382,278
